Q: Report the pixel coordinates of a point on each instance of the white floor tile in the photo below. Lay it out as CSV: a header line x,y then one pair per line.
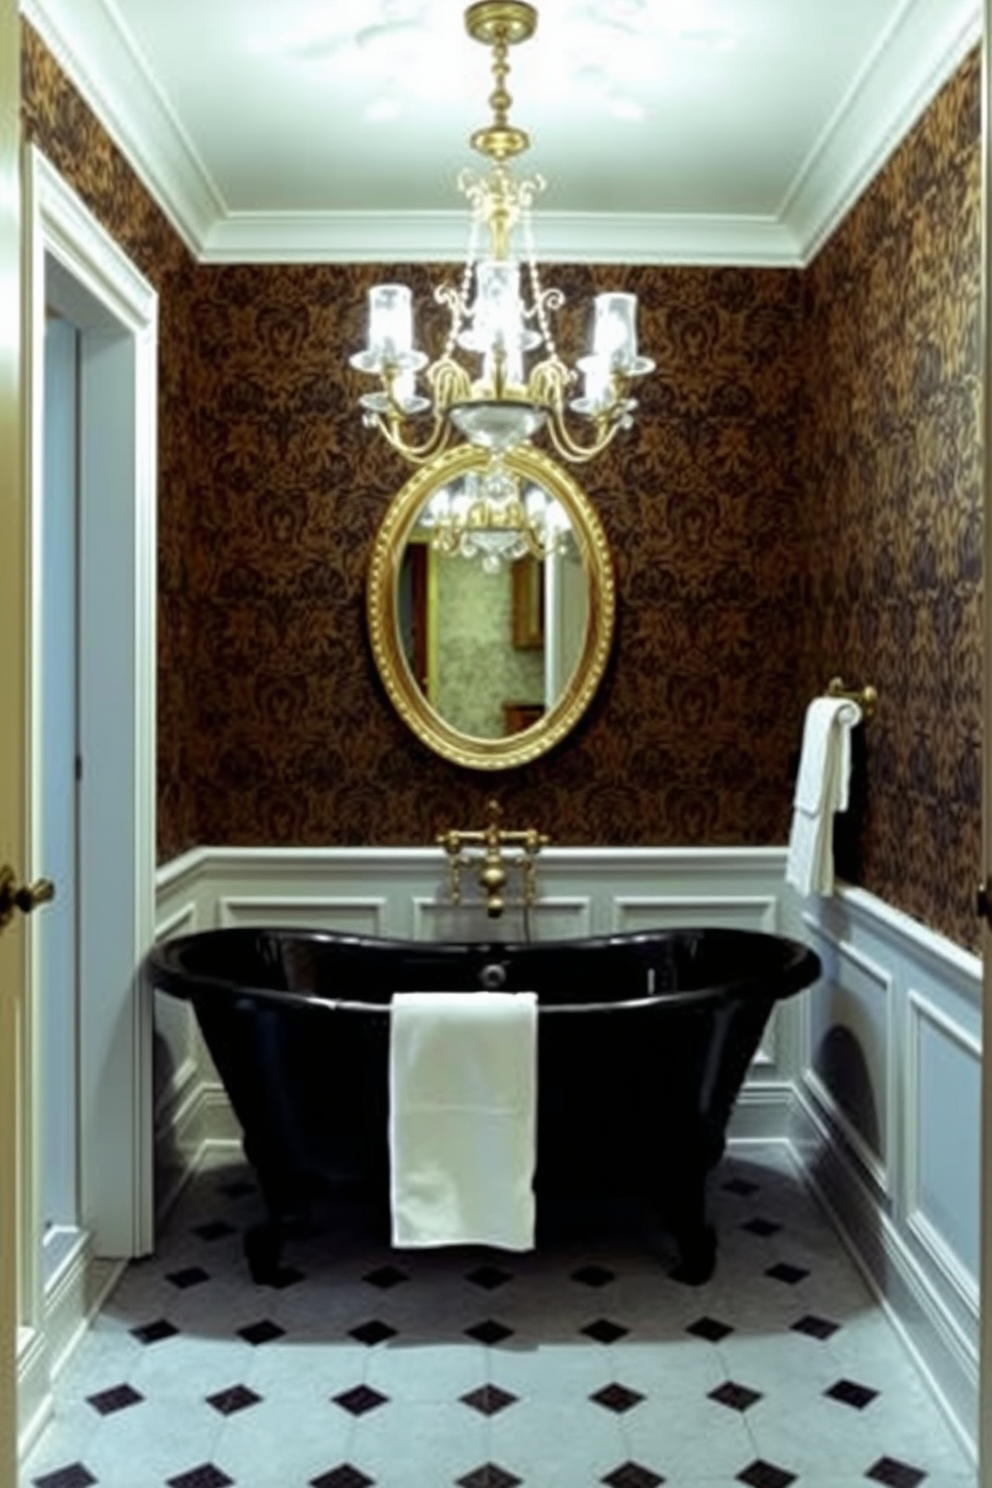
x,y
670,1351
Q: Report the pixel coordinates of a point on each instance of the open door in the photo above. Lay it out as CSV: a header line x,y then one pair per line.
x,y
985,1283
13,728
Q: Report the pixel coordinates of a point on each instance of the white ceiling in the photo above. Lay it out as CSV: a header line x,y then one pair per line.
x,y
667,130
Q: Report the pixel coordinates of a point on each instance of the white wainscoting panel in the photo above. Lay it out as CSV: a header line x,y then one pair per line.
x,y
851,1049
724,911
342,913
905,1004
554,917
943,1159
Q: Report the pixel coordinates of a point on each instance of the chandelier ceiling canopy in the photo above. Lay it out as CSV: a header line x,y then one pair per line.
x,y
500,315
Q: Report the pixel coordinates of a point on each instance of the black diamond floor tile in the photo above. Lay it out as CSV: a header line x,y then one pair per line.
x,y
895,1474
264,1331
360,1400
709,1328
119,1397
74,1475
617,1397
385,1277
761,1474
815,1327
849,1392
782,1271
204,1476
489,1332
489,1277
372,1332
343,1476
190,1276
594,1276
741,1186
603,1331
235,1398
632,1475
155,1332
734,1396
214,1229
489,1476
488,1400
759,1226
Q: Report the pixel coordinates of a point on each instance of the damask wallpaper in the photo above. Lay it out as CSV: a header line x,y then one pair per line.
x,y
799,496
891,460
59,123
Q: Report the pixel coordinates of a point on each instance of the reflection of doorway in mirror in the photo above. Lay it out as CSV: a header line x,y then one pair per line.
x,y
413,611
476,668
528,603
566,612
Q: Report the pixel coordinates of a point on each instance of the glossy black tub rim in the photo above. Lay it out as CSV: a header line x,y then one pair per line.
x,y
785,964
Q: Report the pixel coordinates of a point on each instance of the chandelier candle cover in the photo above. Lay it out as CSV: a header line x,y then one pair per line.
x,y
502,407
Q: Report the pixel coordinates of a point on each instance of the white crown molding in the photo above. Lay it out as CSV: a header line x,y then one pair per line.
x,y
923,46
93,49
441,237
913,59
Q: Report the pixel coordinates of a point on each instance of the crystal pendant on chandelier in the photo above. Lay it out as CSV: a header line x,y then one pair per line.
x,y
486,516
499,316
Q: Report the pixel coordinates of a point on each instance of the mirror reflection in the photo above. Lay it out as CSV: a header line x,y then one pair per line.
x,y
491,604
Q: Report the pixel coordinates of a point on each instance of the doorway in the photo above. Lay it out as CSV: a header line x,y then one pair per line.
x,y
91,375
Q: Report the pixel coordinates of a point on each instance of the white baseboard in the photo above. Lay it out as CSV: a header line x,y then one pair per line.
x,y
762,1113
198,1118
946,1358
75,1293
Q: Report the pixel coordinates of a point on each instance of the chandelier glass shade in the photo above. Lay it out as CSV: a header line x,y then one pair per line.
x,y
512,384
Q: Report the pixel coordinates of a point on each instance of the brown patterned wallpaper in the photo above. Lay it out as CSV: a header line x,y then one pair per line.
x,y
771,517
890,442
690,738
60,124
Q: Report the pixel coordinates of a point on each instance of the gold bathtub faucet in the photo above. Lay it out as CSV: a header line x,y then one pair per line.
x,y
493,874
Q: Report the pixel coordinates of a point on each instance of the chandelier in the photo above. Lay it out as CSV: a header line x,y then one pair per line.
x,y
485,515
498,405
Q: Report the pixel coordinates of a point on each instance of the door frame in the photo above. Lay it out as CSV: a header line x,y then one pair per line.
x,y
117,683
118,389
13,736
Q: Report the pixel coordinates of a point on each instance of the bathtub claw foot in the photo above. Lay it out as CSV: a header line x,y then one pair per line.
x,y
263,1248
697,1259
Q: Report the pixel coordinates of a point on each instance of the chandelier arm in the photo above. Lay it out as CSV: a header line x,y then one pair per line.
x,y
415,454
449,382
569,448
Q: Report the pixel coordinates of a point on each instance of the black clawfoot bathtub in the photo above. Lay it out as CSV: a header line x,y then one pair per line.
x,y
644,1041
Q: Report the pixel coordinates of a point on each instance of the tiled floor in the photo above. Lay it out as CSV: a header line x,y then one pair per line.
x,y
580,1364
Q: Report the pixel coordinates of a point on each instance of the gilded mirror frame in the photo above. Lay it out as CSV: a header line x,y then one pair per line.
x,y
382,612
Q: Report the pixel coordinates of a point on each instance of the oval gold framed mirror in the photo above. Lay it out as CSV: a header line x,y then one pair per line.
x,y
491,604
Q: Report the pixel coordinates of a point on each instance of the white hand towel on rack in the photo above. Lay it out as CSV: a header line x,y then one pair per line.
x,y
462,1121
822,788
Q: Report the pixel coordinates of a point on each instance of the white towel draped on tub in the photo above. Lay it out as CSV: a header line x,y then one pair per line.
x,y
822,785
462,1121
